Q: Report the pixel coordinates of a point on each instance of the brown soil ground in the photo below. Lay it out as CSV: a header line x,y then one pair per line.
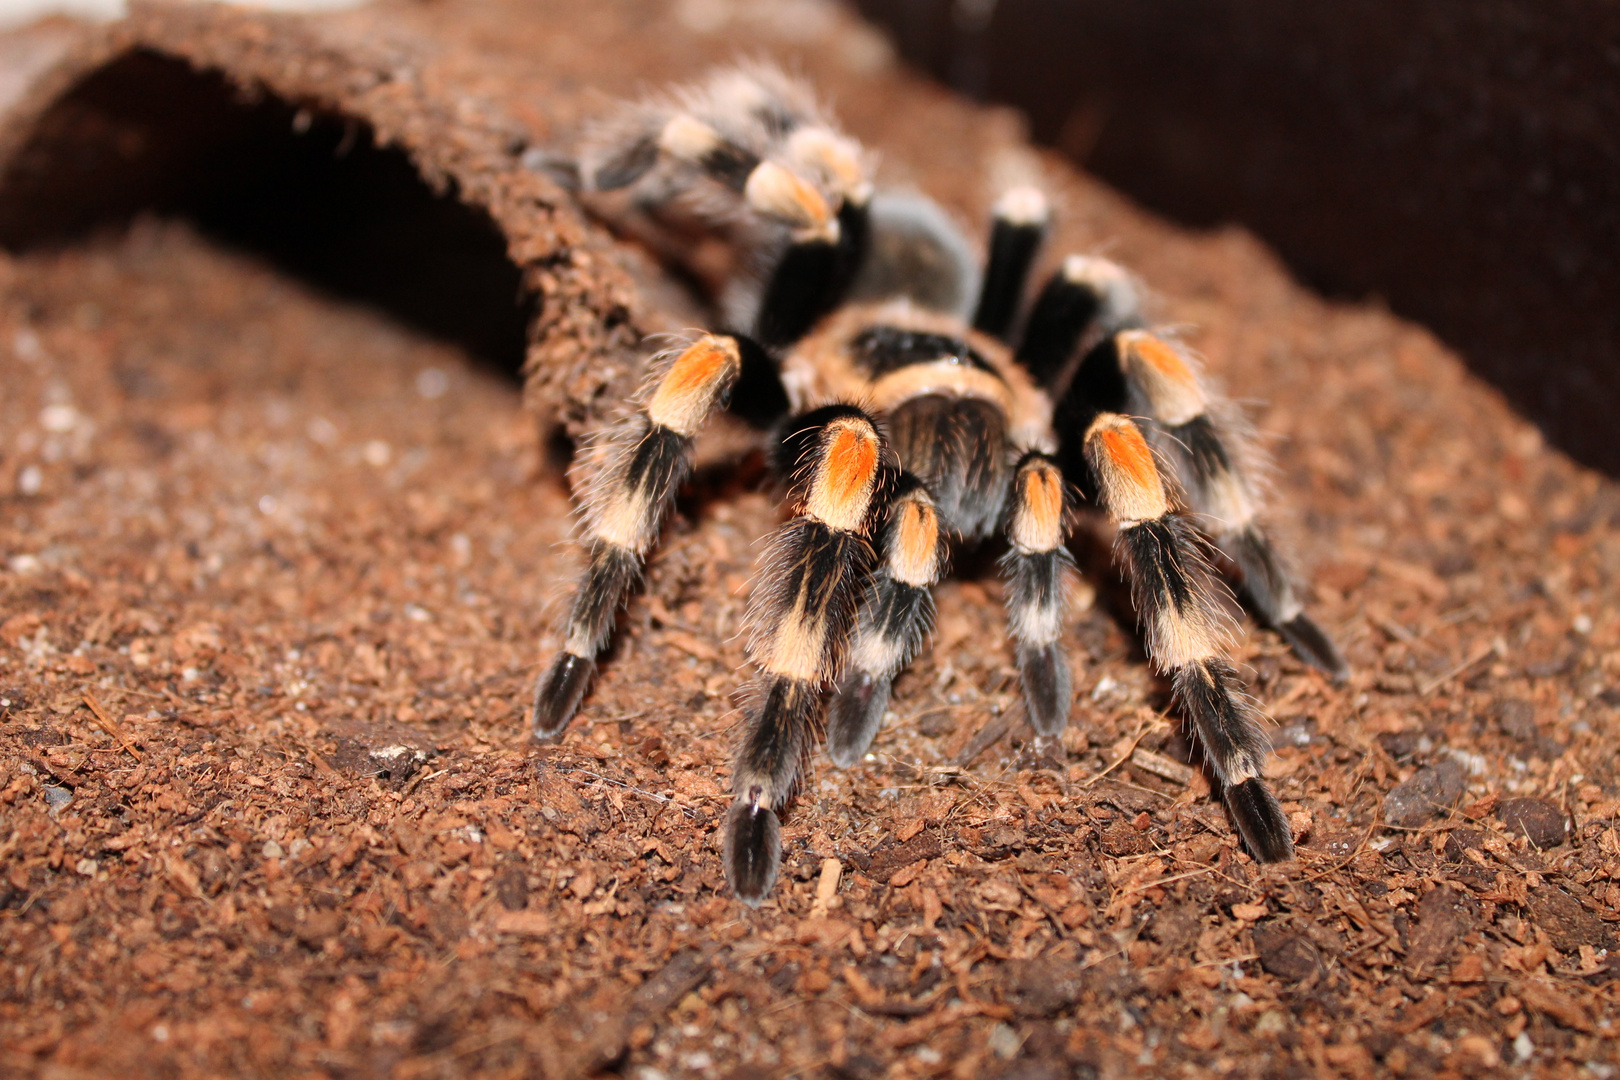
x,y
275,587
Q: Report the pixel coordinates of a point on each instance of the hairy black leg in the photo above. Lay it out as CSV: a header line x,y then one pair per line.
x,y
1084,294
628,479
1020,222
1187,632
1211,454
800,616
811,277
1038,569
895,616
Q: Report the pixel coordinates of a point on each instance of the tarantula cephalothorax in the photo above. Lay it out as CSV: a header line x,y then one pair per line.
x,y
908,415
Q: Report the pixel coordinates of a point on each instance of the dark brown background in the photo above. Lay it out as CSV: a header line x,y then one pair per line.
x,y
1461,160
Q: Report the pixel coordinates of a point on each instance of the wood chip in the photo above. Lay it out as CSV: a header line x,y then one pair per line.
x,y
1162,767
826,887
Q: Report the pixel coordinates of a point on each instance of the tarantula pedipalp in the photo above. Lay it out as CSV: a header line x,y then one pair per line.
x,y
909,415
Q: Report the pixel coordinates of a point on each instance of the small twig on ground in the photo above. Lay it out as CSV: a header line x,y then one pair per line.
x,y
422,778
110,727
1440,680
1143,733
653,795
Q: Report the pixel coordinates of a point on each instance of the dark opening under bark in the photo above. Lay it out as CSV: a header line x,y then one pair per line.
x,y
308,190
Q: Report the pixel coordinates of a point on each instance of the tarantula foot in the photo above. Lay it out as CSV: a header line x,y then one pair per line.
x,y
855,715
558,693
1048,687
1260,820
1314,647
753,851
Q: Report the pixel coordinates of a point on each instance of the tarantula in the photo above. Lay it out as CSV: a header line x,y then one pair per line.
x,y
912,409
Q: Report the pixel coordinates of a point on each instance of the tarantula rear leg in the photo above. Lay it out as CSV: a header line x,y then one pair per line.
x,y
629,479
814,572
1186,630
1206,444
1201,437
751,154
1085,295
897,614
1019,223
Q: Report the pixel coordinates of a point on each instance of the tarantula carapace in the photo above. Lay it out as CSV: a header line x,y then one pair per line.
x,y
915,406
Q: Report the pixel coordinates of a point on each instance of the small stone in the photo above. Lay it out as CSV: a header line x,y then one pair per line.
x,y
1046,986
1004,1042
1516,718
1285,954
1539,819
318,928
512,888
1430,791
1566,921
57,797
1271,1024
936,722
1401,745
272,850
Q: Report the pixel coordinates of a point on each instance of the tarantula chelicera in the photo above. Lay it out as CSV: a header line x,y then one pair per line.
x,y
914,405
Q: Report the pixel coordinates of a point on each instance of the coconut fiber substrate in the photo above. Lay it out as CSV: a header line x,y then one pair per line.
x,y
296,336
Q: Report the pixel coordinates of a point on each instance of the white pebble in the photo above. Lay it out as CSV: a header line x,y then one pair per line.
x,y
58,418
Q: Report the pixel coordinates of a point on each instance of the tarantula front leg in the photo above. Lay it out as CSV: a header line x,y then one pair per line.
x,y
812,577
1187,632
1039,567
895,617
629,478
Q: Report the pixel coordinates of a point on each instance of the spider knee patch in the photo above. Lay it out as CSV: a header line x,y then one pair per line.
x,y
1126,474
845,475
697,380
768,187
1163,375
